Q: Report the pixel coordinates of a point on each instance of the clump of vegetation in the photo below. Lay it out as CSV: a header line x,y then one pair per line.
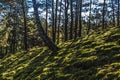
x,y
94,57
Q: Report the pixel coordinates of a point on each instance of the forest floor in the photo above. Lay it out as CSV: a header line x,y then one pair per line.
x,y
94,57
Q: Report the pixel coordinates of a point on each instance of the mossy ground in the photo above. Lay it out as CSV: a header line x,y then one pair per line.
x,y
94,57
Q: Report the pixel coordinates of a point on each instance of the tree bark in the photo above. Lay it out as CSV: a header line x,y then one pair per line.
x,y
118,14
25,26
89,24
66,21
58,33
53,22
46,16
71,24
42,34
56,9
76,20
103,15
113,13
80,19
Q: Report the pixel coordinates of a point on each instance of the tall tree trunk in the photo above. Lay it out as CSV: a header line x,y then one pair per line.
x,y
76,20
71,24
14,33
14,40
118,13
53,22
25,25
42,34
56,9
66,21
89,23
46,16
113,13
80,19
103,15
58,35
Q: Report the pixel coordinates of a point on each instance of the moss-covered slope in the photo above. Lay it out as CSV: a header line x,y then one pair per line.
x,y
94,57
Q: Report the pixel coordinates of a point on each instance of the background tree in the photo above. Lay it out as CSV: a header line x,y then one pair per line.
x,y
66,21
25,25
71,23
118,13
80,18
103,14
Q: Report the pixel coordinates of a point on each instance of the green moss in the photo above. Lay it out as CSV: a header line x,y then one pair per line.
x,y
94,57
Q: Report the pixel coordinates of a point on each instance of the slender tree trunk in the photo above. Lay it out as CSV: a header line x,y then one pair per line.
x,y
53,23
58,35
113,13
66,21
118,13
14,34
46,16
42,34
80,19
103,15
76,20
71,24
25,25
56,9
13,40
89,23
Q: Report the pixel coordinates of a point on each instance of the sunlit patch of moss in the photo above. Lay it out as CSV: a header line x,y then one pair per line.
x,y
62,76
88,52
109,71
64,44
116,56
46,69
86,42
38,77
67,59
113,38
112,76
85,59
107,33
77,42
8,75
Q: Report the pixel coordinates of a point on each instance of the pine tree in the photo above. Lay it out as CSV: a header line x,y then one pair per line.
x,y
42,34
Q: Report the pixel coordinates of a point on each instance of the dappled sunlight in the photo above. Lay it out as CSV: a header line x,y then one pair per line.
x,y
79,59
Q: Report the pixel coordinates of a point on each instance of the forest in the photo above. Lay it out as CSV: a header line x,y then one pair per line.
x,y
59,39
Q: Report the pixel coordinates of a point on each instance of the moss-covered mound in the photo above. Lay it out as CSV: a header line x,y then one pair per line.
x,y
94,57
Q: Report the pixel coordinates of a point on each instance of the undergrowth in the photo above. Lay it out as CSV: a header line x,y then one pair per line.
x,y
94,57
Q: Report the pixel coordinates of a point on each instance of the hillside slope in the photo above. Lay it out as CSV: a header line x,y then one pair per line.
x,y
94,57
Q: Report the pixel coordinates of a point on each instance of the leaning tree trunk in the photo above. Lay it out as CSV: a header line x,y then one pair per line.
x,y
42,34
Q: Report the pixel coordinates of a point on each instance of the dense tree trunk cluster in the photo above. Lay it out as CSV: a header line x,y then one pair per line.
x,y
64,20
